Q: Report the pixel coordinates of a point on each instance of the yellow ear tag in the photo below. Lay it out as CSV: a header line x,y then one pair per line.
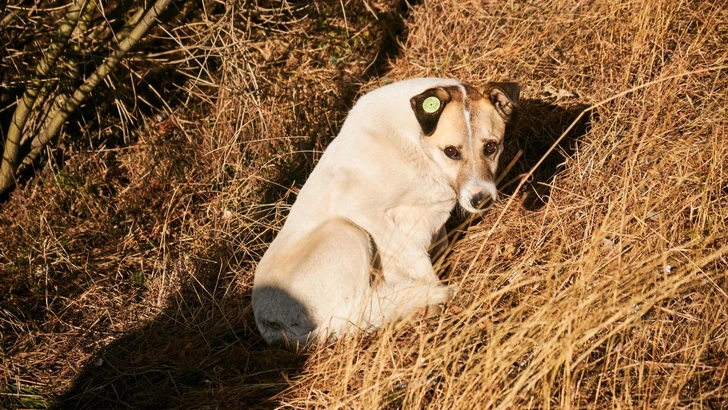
x,y
431,104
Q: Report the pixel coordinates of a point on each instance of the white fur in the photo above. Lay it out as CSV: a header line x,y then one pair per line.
x,y
376,187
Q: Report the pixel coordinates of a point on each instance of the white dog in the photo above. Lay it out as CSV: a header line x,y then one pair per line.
x,y
353,253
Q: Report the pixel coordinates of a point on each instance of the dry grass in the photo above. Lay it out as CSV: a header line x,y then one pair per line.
x,y
603,283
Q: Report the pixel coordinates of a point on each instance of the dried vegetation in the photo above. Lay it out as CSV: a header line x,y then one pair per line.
x,y
602,282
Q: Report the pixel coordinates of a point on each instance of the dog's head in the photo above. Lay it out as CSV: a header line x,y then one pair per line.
x,y
462,132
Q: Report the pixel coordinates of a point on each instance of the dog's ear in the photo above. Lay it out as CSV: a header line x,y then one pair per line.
x,y
428,107
504,97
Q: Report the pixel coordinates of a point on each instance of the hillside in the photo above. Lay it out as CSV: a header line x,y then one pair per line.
x,y
599,280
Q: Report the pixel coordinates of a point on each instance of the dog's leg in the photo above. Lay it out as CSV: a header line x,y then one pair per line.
x,y
439,243
407,257
402,237
409,283
397,297
319,286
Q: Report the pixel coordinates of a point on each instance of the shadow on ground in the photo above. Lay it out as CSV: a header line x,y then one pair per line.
x,y
536,128
204,348
205,342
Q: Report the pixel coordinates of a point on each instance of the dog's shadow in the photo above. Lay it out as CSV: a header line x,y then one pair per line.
x,y
203,350
204,343
537,126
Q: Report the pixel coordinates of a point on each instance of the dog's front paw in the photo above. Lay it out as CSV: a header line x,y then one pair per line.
x,y
429,312
435,308
440,294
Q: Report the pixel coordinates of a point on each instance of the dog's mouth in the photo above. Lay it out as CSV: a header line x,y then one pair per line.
x,y
485,203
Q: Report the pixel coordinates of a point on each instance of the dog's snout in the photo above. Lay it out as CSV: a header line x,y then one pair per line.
x,y
478,196
477,199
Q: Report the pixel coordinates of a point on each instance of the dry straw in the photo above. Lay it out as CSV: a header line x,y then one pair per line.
x,y
600,282
611,294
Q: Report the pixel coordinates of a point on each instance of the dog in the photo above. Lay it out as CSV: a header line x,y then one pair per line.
x,y
353,252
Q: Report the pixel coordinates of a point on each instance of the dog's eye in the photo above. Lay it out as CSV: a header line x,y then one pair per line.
x,y
452,152
490,147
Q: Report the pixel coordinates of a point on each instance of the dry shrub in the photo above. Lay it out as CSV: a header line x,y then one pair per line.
x,y
601,283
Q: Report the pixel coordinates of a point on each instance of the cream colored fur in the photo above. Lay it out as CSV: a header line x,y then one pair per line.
x,y
380,194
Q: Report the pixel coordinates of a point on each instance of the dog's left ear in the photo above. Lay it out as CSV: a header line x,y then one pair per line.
x,y
428,107
504,97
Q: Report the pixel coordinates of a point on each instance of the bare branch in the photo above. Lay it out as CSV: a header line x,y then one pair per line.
x,y
74,101
133,31
11,154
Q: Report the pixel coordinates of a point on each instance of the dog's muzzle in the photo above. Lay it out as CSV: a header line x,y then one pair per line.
x,y
477,200
481,199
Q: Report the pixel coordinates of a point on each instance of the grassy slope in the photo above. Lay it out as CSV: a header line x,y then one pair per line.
x,y
601,283
613,292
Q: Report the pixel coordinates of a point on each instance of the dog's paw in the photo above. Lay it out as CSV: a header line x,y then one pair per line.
x,y
440,294
429,312
443,294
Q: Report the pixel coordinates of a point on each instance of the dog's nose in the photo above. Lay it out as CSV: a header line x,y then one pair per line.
x,y
476,199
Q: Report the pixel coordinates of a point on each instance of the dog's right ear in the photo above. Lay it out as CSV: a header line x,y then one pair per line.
x,y
504,97
428,107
